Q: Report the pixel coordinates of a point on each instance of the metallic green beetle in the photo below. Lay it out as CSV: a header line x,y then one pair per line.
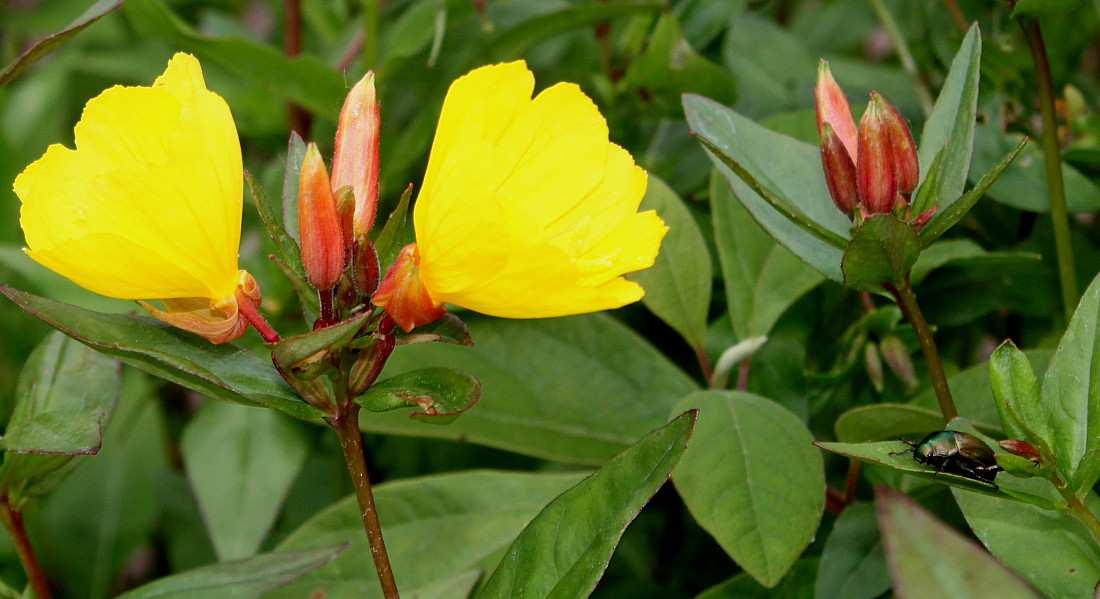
x,y
956,453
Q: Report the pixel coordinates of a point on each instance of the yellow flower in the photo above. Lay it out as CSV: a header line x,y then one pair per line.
x,y
527,210
148,205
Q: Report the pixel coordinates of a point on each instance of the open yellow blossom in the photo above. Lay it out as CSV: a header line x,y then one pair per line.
x,y
148,205
527,210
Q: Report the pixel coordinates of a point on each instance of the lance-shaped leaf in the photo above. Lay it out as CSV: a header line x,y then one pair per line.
x,y
244,579
224,372
445,329
63,399
543,562
853,565
930,559
307,354
52,42
441,394
390,239
882,250
1016,392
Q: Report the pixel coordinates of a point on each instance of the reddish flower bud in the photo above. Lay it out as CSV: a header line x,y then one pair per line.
x,y
1021,448
345,211
319,226
364,266
903,150
833,108
355,161
840,171
403,295
875,176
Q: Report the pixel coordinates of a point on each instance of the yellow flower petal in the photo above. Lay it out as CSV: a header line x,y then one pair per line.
x,y
148,205
527,210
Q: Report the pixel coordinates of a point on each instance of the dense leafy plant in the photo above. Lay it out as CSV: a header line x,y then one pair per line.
x,y
774,325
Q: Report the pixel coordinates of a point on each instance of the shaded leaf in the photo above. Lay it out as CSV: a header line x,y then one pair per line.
x,y
797,584
441,394
853,565
445,329
514,42
886,421
882,250
52,42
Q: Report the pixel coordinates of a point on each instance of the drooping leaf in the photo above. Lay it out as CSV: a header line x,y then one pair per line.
x,y
300,352
439,394
678,285
930,559
52,42
225,371
747,451
542,562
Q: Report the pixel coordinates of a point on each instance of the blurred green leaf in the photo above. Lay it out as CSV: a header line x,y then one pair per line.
x,y
64,398
951,124
930,559
480,511
244,579
761,277
224,372
886,421
746,451
51,42
678,285
882,250
789,168
853,565
1024,185
440,394
1071,396
578,389
797,584
305,79
963,252
514,42
241,462
1042,7
542,562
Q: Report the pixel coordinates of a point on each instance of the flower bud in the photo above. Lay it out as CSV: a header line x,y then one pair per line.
x,y
1021,448
840,171
355,160
319,225
875,177
403,295
364,266
345,211
897,358
873,363
903,150
833,108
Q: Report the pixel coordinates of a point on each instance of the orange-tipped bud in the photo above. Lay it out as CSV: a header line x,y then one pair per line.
x,y
403,295
875,176
319,226
355,161
840,171
833,108
903,150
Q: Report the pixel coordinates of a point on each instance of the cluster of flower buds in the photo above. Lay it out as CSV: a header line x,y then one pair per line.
x,y
874,168
335,215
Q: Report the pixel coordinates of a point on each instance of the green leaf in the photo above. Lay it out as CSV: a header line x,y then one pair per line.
x,y
853,565
678,285
480,511
295,155
244,579
52,42
761,277
389,241
930,559
305,354
797,584
746,452
441,394
516,41
952,212
578,389
544,563
289,255
784,183
305,79
224,372
1071,396
963,252
445,329
1025,8
951,124
882,250
241,463
1051,549
1016,391
1024,186
886,421
63,400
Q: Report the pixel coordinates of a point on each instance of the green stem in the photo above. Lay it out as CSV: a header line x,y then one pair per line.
x,y
1084,515
907,301
13,522
346,426
1052,157
906,57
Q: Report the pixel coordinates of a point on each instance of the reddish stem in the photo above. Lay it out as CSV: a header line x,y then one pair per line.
x,y
13,521
253,316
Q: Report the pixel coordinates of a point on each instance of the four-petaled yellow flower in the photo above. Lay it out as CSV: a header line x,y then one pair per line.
x,y
148,205
527,210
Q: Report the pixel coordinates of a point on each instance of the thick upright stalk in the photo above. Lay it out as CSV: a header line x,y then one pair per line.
x,y
1052,157
13,522
1084,515
907,301
351,441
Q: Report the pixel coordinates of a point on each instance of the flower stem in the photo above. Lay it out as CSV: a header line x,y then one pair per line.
x,y
13,522
1052,157
907,301
1084,515
346,426
257,320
